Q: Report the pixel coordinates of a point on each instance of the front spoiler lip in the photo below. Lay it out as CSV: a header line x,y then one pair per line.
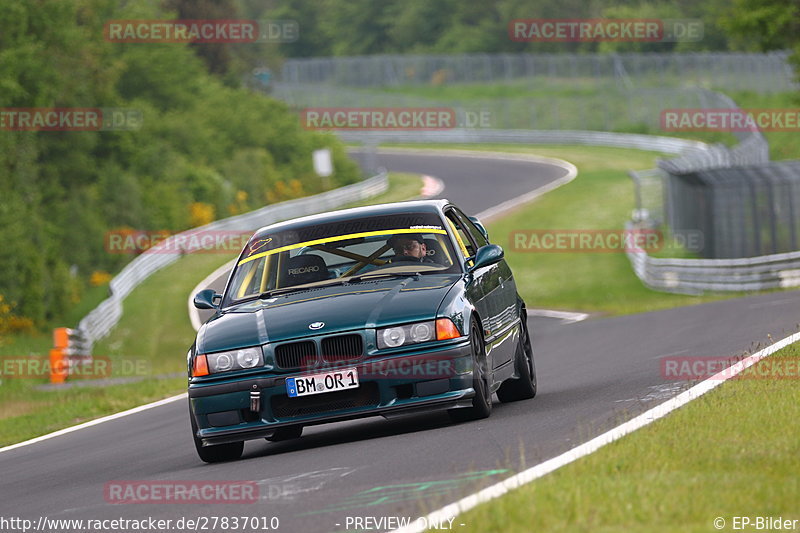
x,y
237,435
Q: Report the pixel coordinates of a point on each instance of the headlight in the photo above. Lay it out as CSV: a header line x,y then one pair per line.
x,y
408,334
235,359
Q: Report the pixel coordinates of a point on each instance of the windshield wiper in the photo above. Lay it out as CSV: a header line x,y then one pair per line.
x,y
362,277
284,290
355,279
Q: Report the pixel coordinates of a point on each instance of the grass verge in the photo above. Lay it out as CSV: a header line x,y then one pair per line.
x,y
598,102
150,341
402,186
732,452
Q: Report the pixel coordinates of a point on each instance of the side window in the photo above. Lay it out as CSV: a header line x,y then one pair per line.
x,y
477,236
463,237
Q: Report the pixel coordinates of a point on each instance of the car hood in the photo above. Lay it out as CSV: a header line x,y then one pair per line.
x,y
368,304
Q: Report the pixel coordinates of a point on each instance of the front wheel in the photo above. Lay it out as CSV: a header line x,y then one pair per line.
x,y
524,386
482,401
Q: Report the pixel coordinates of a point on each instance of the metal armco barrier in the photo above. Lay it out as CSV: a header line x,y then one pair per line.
x,y
695,276
99,322
70,348
656,143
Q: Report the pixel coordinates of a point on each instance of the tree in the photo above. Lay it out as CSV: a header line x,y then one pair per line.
x,y
764,25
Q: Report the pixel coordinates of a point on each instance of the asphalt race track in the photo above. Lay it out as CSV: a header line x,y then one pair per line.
x,y
592,375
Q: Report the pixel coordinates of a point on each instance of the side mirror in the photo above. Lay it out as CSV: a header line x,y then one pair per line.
x,y
487,255
480,226
205,299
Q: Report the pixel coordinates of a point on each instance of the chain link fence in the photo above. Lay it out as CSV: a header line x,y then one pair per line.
x,y
741,211
770,72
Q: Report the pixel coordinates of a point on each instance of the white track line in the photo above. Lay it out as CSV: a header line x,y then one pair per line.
x,y
95,422
194,316
566,316
582,450
501,209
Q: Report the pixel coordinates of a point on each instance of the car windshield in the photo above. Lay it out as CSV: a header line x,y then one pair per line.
x,y
345,250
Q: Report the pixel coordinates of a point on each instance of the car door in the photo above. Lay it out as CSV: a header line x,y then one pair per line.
x,y
483,290
503,299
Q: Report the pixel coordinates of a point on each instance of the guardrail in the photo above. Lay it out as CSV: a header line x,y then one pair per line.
x,y
99,322
657,143
695,276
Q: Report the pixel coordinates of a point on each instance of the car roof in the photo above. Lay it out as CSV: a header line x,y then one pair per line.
x,y
425,206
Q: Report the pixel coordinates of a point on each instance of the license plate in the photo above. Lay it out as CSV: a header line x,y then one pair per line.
x,y
319,383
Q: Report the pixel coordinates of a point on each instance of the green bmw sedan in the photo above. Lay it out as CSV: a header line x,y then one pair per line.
x,y
381,310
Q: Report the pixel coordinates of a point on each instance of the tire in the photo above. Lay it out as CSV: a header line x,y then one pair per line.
x,y
217,453
482,401
287,433
524,386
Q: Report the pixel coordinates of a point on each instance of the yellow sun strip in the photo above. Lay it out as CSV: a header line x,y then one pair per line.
x,y
263,286
458,238
246,282
339,238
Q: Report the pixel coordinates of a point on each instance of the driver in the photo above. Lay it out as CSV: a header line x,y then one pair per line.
x,y
409,247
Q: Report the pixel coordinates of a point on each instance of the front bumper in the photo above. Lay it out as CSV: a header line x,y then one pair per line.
x,y
222,411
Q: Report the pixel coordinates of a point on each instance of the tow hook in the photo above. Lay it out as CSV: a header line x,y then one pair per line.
x,y
255,399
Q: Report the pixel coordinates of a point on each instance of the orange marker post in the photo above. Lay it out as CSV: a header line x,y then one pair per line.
x,y
59,366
